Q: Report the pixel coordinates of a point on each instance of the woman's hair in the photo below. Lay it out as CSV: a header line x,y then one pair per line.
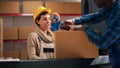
x,y
39,16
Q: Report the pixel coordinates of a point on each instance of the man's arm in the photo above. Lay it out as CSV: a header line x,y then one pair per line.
x,y
111,34
91,18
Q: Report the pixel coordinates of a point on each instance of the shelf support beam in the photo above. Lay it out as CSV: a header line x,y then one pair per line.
x,y
21,6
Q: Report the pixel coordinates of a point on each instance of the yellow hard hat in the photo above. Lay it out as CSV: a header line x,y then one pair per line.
x,y
39,10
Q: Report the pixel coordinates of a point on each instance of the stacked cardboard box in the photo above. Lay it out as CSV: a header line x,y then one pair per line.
x,y
30,6
1,38
23,55
25,31
12,48
10,33
15,33
11,54
9,7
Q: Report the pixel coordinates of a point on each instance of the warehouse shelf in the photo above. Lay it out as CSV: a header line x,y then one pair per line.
x,y
22,40
19,14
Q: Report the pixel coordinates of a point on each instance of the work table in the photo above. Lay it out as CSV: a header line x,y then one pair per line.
x,y
53,63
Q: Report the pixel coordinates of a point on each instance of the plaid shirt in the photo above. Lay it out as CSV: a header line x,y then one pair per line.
x,y
112,34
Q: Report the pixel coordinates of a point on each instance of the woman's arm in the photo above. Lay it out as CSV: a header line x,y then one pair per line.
x,y
31,46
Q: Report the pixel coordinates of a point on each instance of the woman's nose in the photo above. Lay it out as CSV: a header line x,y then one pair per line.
x,y
48,21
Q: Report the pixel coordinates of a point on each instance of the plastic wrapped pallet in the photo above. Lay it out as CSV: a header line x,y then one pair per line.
x,y
1,38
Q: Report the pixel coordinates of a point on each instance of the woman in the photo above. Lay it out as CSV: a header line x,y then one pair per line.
x,y
40,41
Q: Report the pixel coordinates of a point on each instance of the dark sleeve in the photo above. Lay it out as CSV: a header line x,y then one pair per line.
x,y
106,39
91,18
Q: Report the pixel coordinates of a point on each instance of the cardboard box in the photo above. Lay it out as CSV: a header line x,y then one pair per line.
x,y
23,55
12,54
73,44
30,6
9,7
25,31
65,7
10,33
1,38
55,6
72,8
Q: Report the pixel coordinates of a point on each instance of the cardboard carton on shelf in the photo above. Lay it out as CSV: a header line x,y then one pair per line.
x,y
9,7
73,44
10,33
25,31
30,6
23,55
11,54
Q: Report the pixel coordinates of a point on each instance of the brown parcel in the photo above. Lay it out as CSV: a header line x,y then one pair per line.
x,y
10,33
25,31
73,44
11,54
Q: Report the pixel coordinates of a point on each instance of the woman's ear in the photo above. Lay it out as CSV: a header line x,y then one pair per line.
x,y
37,21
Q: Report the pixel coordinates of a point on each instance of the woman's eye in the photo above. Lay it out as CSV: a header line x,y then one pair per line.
x,y
44,19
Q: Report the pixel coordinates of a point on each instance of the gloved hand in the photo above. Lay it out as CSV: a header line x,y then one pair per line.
x,y
66,25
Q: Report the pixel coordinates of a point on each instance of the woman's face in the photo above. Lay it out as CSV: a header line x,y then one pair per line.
x,y
45,22
100,3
